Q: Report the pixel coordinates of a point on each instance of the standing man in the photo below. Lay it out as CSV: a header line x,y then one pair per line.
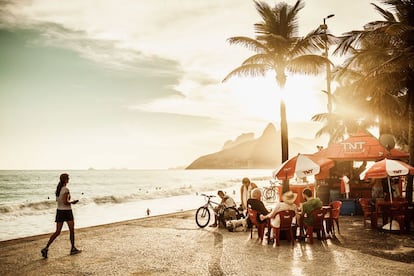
x,y
245,192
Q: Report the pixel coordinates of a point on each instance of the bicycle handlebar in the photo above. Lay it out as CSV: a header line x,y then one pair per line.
x,y
209,196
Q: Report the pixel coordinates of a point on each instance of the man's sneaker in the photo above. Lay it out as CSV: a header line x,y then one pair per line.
x,y
75,251
44,252
213,225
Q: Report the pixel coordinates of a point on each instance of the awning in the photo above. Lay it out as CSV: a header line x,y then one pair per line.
x,y
361,146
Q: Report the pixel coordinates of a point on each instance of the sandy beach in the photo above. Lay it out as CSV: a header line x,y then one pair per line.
x,y
173,244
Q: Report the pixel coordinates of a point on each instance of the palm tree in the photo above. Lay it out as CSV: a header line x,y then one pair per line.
x,y
345,119
389,69
356,109
279,50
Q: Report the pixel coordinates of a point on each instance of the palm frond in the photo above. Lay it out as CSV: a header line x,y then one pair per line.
x,y
310,43
247,42
307,64
388,16
320,117
268,17
398,29
260,59
253,70
275,43
292,17
349,40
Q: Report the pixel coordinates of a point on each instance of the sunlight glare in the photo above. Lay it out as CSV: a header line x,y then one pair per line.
x,y
302,96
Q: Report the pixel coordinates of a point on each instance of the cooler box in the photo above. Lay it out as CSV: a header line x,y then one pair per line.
x,y
348,207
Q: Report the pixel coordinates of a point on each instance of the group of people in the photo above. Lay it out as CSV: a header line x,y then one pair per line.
x,y
251,197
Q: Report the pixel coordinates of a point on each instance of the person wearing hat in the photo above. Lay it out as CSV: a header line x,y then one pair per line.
x,y
288,203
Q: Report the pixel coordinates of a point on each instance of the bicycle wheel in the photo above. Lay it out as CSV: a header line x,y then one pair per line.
x,y
202,217
270,194
229,213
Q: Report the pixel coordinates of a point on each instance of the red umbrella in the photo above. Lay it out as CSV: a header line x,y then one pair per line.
x,y
303,165
387,168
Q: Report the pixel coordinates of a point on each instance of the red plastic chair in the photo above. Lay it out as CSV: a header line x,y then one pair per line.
x,y
409,217
334,217
318,227
398,213
259,225
286,218
367,213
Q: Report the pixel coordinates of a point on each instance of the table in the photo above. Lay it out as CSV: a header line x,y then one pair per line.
x,y
389,210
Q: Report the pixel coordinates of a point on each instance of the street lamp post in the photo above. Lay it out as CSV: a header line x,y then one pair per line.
x,y
324,28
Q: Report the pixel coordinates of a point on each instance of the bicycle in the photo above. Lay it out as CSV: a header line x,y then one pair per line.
x,y
203,215
271,192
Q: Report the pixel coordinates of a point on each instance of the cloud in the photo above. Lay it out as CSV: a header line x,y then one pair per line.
x,y
132,78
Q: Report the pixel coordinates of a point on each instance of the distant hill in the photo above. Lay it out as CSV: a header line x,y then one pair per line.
x,y
246,152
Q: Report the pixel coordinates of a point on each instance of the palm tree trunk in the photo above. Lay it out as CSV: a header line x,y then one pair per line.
x,y
284,131
284,140
409,189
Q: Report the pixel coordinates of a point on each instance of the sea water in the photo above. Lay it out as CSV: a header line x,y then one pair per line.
x,y
28,202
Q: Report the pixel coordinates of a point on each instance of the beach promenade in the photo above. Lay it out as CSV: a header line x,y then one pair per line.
x,y
174,245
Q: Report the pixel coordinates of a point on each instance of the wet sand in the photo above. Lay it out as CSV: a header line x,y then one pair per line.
x,y
173,244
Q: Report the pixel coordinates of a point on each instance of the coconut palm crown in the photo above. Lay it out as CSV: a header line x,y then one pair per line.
x,y
279,49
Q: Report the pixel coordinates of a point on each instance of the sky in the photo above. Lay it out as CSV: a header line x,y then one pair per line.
x,y
138,84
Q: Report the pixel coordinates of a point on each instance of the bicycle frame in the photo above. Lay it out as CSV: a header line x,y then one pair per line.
x,y
209,202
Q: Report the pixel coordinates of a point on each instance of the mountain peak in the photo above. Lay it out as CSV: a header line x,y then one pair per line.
x,y
246,152
269,130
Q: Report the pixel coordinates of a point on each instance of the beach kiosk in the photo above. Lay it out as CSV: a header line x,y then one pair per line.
x,y
351,158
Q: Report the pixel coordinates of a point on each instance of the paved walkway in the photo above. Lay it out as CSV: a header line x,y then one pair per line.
x,y
174,245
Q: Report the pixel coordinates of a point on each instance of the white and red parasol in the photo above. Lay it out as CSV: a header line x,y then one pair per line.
x,y
302,165
387,168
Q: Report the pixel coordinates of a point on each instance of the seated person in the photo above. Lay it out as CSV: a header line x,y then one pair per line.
x,y
309,206
377,192
288,203
255,203
226,201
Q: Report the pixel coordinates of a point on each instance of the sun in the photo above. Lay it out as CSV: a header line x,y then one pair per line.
x,y
260,97
304,98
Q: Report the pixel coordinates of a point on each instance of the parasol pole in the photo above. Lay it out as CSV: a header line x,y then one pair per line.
x,y
389,188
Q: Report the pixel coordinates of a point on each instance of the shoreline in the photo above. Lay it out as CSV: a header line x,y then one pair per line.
x,y
86,228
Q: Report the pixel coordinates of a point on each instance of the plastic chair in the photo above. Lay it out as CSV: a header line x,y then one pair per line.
x,y
286,218
335,211
255,222
409,217
318,227
398,213
367,212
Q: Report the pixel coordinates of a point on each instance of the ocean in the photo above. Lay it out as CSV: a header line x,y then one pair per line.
x,y
28,204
